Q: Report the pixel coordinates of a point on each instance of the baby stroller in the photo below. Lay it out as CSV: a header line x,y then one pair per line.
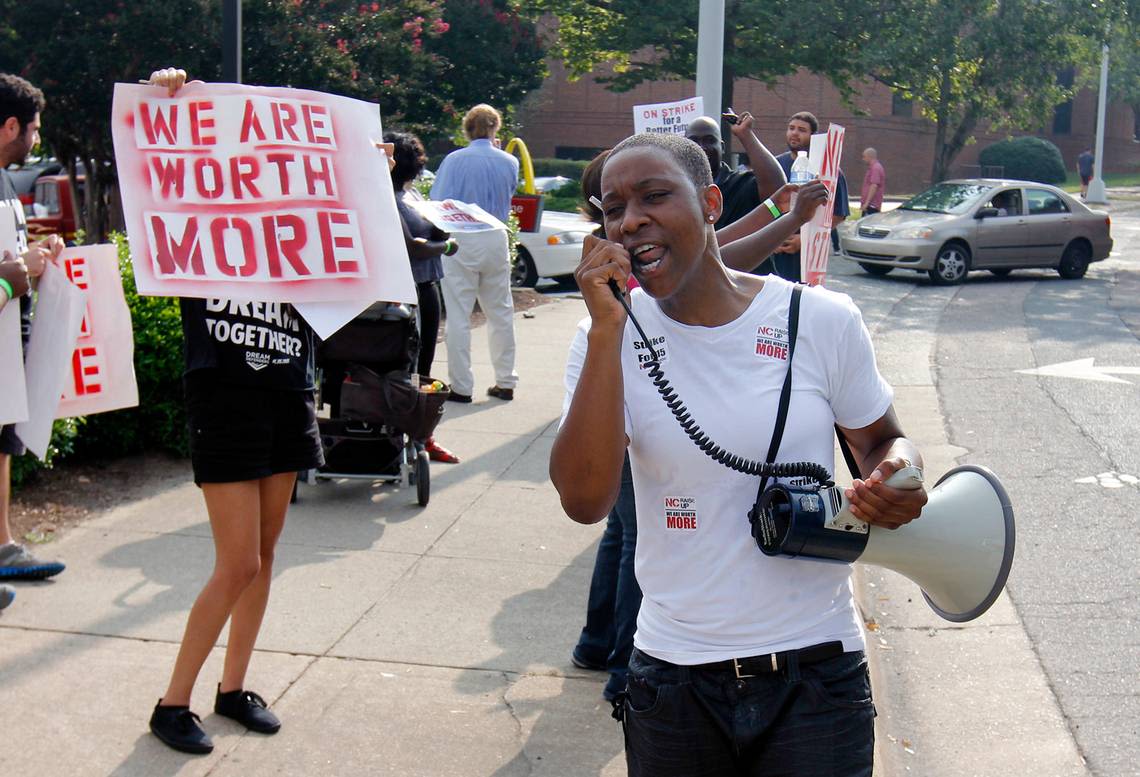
x,y
378,417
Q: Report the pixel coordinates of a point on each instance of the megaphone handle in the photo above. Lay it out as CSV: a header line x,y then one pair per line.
x,y
906,479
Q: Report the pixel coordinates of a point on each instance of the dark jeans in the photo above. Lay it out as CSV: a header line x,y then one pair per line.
x,y
428,296
815,720
615,596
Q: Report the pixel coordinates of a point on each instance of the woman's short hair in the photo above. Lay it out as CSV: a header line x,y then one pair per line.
x,y
409,155
482,121
592,187
687,154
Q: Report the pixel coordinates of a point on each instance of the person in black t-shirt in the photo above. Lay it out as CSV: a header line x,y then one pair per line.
x,y
20,107
743,190
249,385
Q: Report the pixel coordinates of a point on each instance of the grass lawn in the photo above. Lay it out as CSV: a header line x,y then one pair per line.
x,y
1073,182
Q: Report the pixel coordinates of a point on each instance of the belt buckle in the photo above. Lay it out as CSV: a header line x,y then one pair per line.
x,y
736,666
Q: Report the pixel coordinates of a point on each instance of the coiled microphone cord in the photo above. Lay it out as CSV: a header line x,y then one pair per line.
x,y
718,454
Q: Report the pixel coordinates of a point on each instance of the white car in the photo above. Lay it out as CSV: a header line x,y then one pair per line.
x,y
553,251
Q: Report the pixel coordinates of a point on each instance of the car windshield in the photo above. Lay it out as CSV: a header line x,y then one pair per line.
x,y
946,198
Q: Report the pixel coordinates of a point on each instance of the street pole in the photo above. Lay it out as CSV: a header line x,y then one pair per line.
x,y
1096,192
231,41
710,55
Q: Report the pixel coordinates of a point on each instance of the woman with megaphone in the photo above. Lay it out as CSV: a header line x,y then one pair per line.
x,y
744,663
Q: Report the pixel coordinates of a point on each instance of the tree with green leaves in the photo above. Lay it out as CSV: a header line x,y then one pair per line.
x,y
648,40
970,62
395,53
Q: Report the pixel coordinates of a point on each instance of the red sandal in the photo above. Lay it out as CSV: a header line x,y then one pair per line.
x,y
437,452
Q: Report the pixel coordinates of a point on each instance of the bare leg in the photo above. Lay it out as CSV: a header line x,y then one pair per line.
x,y
234,510
245,622
5,494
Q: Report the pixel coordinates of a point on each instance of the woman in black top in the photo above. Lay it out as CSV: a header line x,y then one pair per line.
x,y
426,243
250,409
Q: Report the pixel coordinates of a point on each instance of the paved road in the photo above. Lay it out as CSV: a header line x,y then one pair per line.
x,y
1074,582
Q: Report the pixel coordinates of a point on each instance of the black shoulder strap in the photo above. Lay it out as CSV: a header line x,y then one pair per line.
x,y
786,391
847,455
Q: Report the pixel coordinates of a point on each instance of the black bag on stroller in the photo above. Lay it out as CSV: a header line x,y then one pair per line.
x,y
392,399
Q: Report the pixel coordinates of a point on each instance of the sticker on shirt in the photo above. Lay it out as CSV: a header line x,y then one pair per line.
x,y
681,514
644,356
772,343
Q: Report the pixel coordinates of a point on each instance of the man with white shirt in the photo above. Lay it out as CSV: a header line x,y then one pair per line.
x,y
20,106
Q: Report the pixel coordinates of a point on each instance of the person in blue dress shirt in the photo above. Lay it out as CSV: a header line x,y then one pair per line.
x,y
486,176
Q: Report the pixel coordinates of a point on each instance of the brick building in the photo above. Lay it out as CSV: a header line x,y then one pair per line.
x,y
574,120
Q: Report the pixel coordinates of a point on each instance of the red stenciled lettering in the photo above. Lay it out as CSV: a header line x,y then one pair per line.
x,y
171,173
218,228
316,118
201,120
282,161
87,370
322,176
244,171
173,256
250,123
277,247
284,120
216,185
330,244
164,122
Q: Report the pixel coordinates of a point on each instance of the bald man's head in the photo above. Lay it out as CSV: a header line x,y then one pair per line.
x,y
869,155
705,132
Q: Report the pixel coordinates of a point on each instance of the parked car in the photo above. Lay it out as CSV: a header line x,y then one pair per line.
x,y
549,183
981,224
553,251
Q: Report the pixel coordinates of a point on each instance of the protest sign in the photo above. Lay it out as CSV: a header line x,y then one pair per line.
x,y
455,216
669,118
257,194
102,374
815,236
56,321
13,394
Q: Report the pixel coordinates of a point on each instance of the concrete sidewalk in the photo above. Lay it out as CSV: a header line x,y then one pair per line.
x,y
435,641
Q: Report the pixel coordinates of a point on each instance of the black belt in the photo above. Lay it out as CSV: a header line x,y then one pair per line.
x,y
773,662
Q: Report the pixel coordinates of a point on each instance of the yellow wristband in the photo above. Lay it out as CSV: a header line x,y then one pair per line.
x,y
771,206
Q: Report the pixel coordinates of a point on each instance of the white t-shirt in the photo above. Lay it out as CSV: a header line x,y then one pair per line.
x,y
709,592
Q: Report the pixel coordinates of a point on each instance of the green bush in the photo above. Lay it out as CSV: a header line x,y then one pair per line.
x,y
1028,159
159,421
571,168
64,432
566,198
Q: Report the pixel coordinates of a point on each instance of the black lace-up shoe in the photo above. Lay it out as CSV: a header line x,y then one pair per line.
x,y
179,728
248,709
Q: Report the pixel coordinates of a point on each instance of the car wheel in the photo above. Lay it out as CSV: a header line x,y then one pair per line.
x,y
1075,261
1001,273
875,269
523,272
951,264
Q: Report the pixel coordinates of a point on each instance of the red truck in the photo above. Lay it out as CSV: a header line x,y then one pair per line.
x,y
53,209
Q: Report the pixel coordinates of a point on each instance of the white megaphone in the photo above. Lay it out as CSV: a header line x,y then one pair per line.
x,y
959,550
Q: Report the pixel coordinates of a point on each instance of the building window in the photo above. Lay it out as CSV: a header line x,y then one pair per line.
x,y
1063,113
900,106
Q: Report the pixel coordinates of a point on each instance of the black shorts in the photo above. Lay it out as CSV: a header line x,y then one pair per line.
x,y
241,433
9,442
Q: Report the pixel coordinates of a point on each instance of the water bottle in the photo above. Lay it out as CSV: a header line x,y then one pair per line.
x,y
801,173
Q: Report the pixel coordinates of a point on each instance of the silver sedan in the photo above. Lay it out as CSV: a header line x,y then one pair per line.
x,y
982,224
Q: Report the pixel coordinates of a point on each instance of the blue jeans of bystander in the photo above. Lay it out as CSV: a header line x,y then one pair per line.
x,y
615,596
